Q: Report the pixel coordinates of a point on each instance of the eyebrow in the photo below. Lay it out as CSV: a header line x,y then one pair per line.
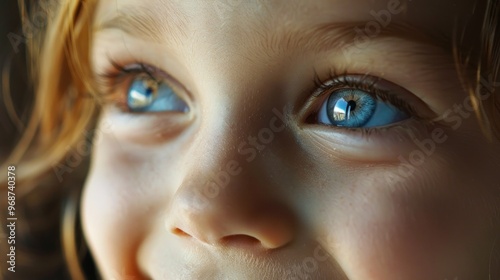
x,y
151,24
347,35
147,23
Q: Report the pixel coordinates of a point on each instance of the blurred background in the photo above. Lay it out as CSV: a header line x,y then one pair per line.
x,y
14,79
38,250
39,253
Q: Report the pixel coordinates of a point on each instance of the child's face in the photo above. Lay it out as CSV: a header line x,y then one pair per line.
x,y
240,166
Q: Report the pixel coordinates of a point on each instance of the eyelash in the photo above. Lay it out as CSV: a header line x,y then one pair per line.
x,y
110,80
365,83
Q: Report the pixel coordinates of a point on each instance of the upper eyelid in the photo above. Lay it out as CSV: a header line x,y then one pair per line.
x,y
110,78
143,68
335,82
345,80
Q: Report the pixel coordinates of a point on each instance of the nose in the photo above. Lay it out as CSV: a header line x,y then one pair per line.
x,y
229,195
238,215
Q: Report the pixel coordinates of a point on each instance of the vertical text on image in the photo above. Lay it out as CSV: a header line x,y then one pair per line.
x,y
11,217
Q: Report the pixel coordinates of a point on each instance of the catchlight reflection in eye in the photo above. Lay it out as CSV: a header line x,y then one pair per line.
x,y
148,95
355,108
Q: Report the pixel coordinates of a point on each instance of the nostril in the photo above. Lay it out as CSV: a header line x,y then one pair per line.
x,y
180,232
239,239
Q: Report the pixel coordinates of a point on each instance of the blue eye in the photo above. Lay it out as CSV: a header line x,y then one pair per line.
x,y
355,108
147,95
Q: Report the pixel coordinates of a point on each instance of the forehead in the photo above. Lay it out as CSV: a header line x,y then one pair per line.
x,y
435,18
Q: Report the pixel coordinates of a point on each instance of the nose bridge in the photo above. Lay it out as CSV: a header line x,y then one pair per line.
x,y
229,148
225,192
233,135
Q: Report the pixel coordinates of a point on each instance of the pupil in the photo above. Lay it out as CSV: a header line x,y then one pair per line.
x,y
351,106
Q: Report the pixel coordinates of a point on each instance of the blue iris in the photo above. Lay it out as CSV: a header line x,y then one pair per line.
x,y
147,95
355,108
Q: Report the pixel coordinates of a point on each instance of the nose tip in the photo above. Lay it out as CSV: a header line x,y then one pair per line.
x,y
260,229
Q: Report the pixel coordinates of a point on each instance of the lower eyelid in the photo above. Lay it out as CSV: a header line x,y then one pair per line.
x,y
384,144
146,129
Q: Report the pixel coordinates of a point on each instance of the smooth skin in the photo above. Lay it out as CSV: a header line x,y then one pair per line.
x,y
246,186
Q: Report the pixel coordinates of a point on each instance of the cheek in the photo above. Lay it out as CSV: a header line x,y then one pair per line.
x,y
118,207
107,218
412,226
